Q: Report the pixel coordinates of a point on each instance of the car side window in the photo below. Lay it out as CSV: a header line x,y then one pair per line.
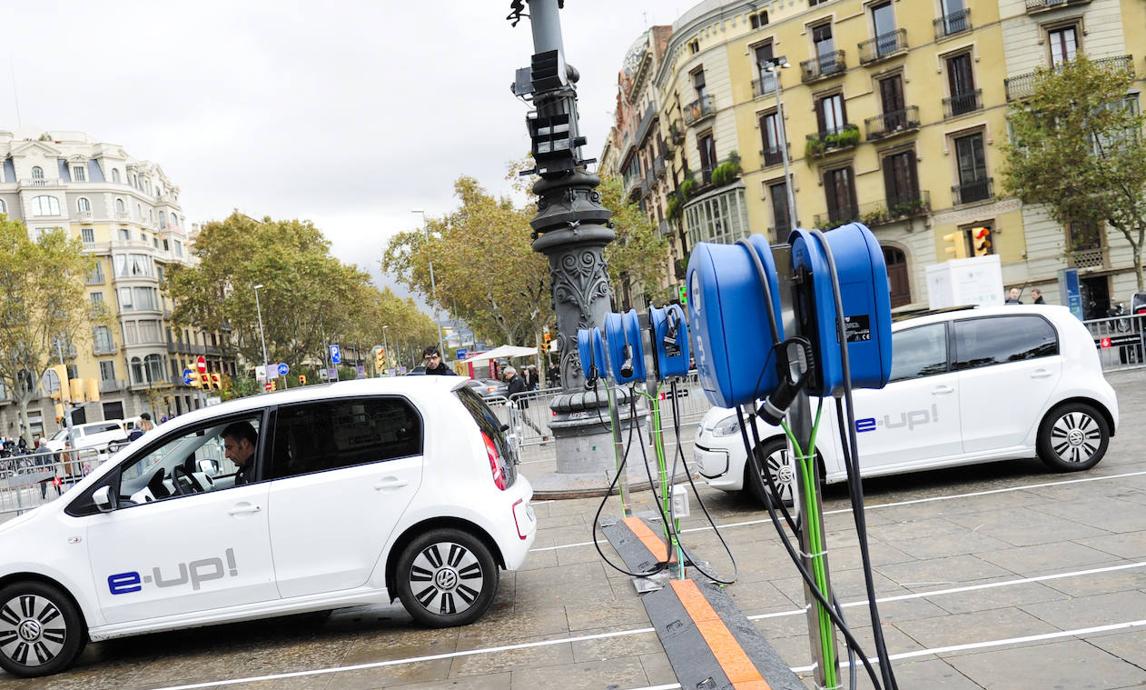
x,y
332,434
1001,339
191,462
918,352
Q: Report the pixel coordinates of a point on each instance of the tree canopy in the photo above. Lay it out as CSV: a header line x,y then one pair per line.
x,y
43,303
639,254
1077,148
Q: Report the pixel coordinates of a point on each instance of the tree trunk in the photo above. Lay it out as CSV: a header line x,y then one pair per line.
x,y
22,403
1138,267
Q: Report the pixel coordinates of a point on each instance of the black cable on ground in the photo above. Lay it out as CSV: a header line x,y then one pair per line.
x,y
855,480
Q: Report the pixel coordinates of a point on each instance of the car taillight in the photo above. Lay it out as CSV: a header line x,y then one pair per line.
x,y
494,462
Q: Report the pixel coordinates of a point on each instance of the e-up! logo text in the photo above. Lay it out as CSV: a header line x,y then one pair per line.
x,y
195,572
909,419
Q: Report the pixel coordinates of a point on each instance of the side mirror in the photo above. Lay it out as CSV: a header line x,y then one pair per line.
x,y
209,467
103,500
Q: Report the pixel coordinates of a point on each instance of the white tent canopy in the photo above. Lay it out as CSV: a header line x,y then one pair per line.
x,y
503,352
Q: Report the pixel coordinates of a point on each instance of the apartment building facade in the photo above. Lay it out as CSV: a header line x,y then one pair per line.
x,y
890,113
127,215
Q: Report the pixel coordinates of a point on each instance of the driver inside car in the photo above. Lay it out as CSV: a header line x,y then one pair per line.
x,y
239,442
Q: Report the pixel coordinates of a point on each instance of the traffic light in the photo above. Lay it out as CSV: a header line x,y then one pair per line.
x,y
301,380
216,381
91,390
683,295
981,238
64,392
380,361
204,381
958,248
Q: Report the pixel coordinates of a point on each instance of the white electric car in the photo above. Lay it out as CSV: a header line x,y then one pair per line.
x,y
967,386
360,493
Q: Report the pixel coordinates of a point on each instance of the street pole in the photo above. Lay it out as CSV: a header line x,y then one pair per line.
x,y
385,350
433,288
64,382
262,336
777,65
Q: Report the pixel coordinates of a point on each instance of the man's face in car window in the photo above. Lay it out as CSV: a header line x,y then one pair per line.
x,y
238,451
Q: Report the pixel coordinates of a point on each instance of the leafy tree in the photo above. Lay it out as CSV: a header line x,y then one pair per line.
x,y
1077,148
485,269
639,254
43,300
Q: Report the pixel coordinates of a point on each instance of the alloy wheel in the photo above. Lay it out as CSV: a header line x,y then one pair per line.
x,y
1075,437
32,630
446,578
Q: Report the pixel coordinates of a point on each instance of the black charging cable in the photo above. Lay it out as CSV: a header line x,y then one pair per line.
x,y
855,480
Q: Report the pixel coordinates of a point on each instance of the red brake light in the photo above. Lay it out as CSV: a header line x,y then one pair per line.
x,y
494,462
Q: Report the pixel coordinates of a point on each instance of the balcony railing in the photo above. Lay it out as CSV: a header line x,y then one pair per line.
x,y
1023,85
823,66
824,143
963,103
772,156
970,192
830,221
698,110
110,386
883,46
876,213
1036,6
40,182
104,349
892,123
1087,258
84,215
953,23
764,85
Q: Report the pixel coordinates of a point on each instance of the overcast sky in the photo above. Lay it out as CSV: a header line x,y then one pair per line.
x,y
348,113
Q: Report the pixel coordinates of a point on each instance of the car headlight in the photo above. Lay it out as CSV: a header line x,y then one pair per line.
x,y
728,426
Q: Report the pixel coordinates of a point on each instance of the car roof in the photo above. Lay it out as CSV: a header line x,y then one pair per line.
x,y
391,385
1051,311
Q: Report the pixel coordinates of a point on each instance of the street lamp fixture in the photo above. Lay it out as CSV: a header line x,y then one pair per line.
x,y
433,286
262,335
774,66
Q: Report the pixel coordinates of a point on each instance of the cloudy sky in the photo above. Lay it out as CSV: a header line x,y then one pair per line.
x,y
349,113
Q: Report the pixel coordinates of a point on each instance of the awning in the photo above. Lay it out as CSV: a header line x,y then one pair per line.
x,y
503,352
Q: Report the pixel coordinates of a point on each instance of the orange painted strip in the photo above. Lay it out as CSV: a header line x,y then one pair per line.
x,y
652,542
728,652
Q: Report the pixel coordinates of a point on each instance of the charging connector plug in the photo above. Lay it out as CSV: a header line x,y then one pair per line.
x,y
794,355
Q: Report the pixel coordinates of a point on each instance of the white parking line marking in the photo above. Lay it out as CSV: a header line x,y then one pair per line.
x,y
641,631
897,504
935,651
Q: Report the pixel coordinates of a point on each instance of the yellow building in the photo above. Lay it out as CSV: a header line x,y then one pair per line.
x,y
893,117
126,213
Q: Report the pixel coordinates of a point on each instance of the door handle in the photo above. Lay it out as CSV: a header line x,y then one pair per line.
x,y
244,509
390,483
1041,374
942,390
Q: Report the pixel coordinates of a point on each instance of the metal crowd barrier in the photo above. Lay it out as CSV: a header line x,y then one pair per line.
x,y
1121,341
30,481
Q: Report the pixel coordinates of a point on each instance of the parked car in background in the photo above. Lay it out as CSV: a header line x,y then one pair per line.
x,y
489,388
967,386
311,499
97,435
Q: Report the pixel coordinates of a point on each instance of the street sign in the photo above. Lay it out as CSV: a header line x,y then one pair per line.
x,y
462,353
269,386
332,373
335,354
201,364
361,371
283,369
260,373
188,377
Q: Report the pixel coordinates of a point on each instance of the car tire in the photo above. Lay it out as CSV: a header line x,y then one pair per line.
x,y
772,454
1073,437
41,629
446,577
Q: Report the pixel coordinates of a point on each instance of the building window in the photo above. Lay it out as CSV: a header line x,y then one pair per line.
x,y
766,80
107,371
839,187
1063,44
178,249
893,104
120,207
770,138
813,3
721,218
83,205
758,20
781,216
707,147
961,83
830,114
137,375
79,174
45,206
125,234
101,339
974,185
883,21
133,266
96,276
96,299
126,304
87,235
825,45
3,207
694,46
901,183
162,219
115,175
37,172
699,84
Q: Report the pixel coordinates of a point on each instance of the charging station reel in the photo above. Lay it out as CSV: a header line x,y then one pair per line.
x,y
668,333
624,347
727,313
591,349
866,301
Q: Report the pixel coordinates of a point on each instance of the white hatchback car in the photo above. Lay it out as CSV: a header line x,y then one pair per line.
x,y
358,493
967,386
98,435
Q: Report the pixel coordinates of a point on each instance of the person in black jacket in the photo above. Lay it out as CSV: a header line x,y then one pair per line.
x,y
434,364
516,383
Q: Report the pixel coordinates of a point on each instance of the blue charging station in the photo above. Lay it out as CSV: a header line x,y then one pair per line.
x,y
728,317
668,332
591,349
624,347
866,301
